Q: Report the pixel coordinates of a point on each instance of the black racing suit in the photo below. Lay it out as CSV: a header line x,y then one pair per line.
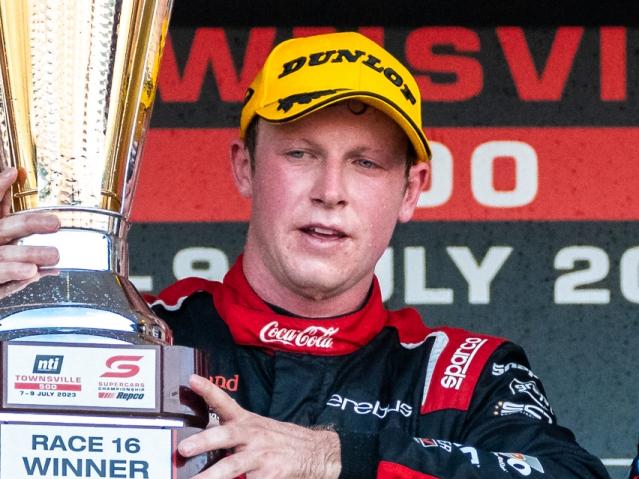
x,y
634,467
406,400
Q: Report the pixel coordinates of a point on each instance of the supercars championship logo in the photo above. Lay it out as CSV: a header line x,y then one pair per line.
x,y
120,382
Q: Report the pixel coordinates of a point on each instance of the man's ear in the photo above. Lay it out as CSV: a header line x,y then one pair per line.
x,y
241,167
415,183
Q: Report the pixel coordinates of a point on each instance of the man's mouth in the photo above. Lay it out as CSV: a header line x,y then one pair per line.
x,y
323,232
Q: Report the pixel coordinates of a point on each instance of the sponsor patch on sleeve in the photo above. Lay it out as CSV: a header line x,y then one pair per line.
x,y
456,369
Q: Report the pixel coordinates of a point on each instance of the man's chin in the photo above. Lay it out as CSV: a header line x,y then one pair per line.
x,y
319,281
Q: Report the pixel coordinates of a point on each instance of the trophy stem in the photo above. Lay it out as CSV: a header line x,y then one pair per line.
x,y
88,239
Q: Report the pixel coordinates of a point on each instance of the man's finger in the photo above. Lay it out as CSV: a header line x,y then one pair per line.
x,y
17,272
7,177
213,439
12,286
223,404
38,255
21,225
231,466
5,206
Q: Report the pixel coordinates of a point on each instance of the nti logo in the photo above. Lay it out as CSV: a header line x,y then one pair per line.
x,y
47,364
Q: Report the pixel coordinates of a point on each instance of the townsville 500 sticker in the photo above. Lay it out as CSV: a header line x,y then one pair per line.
x,y
30,451
81,376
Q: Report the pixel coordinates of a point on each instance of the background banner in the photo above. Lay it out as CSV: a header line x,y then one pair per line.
x,y
528,228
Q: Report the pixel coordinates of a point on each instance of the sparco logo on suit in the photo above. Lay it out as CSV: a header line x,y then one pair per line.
x,y
460,361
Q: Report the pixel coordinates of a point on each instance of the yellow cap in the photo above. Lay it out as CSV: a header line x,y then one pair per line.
x,y
303,75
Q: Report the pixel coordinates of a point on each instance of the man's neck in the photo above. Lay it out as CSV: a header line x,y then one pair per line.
x,y
301,302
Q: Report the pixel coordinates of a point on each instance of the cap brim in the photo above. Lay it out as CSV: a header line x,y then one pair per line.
x,y
274,113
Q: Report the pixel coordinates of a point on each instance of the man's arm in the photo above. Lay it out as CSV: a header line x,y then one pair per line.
x,y
509,432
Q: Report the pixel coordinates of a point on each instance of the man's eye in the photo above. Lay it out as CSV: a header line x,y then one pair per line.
x,y
296,154
366,163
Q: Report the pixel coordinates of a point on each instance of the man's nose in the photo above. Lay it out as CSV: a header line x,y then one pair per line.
x,y
329,187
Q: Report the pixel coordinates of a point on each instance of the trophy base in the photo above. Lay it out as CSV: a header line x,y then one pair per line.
x,y
86,450
91,386
70,410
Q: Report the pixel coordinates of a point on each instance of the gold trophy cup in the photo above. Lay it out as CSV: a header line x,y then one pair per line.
x,y
91,383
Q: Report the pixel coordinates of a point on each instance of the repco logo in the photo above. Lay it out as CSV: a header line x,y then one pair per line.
x,y
129,396
456,370
351,56
312,337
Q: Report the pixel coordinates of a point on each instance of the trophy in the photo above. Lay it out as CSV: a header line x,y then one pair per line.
x,y
91,385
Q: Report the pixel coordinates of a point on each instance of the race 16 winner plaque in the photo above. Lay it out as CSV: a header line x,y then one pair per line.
x,y
90,410
92,386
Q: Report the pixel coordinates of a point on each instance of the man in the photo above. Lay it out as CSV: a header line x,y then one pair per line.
x,y
321,380
634,469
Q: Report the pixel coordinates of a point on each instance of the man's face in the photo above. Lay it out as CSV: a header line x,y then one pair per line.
x,y
327,191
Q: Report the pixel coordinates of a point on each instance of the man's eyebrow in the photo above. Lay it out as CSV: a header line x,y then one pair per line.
x,y
356,150
365,149
294,140
359,149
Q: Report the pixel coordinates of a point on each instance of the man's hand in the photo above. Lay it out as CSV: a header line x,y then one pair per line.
x,y
19,263
260,447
